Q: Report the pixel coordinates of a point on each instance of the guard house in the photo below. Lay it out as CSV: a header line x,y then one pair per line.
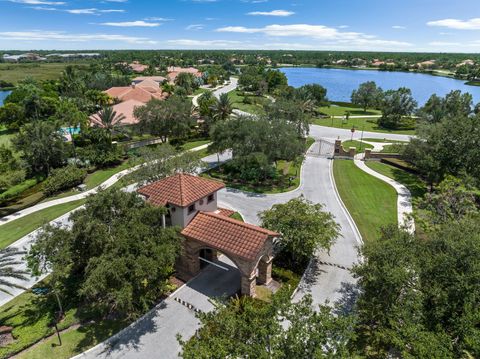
x,y
208,230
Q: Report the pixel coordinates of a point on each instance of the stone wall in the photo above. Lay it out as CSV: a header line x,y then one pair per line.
x,y
369,155
340,151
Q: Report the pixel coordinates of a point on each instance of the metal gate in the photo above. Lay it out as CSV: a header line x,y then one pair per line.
x,y
321,148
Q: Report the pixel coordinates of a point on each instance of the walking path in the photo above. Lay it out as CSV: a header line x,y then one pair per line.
x,y
404,200
327,277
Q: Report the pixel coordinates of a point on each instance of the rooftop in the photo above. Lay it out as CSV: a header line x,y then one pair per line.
x,y
126,108
228,235
180,190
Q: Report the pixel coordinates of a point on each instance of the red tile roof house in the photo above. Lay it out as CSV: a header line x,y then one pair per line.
x,y
208,229
173,72
138,94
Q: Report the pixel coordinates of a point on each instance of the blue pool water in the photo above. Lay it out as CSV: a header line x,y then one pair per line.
x,y
340,83
71,130
3,96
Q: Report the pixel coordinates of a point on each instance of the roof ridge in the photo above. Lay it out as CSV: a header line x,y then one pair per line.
x,y
241,224
180,183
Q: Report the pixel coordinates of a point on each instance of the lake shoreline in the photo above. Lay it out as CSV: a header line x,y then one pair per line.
x,y
341,81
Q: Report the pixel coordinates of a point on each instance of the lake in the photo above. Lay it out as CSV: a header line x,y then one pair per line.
x,y
3,95
340,83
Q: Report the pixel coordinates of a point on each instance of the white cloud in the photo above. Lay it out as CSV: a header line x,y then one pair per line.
x,y
343,27
41,35
138,23
398,27
38,2
237,45
195,27
282,13
472,24
155,18
89,11
323,34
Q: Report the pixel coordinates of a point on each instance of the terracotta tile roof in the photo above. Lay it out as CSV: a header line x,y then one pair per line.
x,y
158,79
181,190
126,108
228,235
224,212
134,93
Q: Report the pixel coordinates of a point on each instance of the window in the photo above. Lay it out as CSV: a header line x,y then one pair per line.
x,y
191,208
210,198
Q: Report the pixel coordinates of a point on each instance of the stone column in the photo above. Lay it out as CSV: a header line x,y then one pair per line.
x,y
368,153
248,286
265,271
352,151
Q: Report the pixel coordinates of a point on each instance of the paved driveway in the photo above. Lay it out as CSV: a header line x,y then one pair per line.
x,y
154,335
323,281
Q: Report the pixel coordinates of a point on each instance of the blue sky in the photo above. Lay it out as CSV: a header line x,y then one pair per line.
x,y
380,25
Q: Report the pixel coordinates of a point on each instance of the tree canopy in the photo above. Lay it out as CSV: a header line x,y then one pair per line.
x,y
117,256
298,243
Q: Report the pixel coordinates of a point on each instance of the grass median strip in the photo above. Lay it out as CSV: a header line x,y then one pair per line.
x,y
14,230
371,202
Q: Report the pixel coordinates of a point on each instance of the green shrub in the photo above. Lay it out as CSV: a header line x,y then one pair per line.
x,y
64,178
16,190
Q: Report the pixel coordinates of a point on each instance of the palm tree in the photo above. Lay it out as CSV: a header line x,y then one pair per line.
x,y
8,260
109,119
223,108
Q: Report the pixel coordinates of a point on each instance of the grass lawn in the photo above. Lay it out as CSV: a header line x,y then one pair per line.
x,y
14,230
414,183
287,179
6,136
371,202
32,315
237,102
365,124
38,71
360,146
383,140
334,110
189,145
395,148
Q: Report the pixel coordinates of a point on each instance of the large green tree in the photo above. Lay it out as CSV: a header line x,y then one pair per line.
x,y
42,146
368,95
304,227
117,256
245,328
447,147
397,108
167,119
421,306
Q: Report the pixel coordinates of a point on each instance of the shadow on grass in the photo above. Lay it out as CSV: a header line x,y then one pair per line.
x,y
129,338
414,184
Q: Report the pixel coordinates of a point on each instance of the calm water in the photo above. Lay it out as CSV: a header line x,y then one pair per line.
x,y
341,83
3,95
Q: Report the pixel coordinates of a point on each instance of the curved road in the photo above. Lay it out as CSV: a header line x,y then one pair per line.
x,y
327,277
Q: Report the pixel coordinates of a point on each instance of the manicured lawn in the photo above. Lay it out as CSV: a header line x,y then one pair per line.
x,y
371,202
38,71
414,183
237,102
360,146
14,230
365,124
32,315
394,148
6,136
189,145
383,140
287,179
334,110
